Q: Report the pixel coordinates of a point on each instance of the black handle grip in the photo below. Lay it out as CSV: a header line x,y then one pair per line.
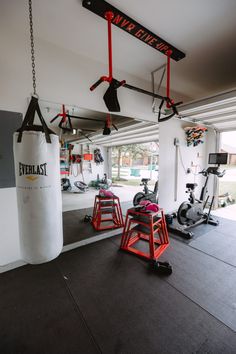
x,y
172,106
53,119
96,84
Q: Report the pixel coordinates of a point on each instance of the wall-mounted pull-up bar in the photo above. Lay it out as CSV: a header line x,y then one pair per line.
x,y
111,15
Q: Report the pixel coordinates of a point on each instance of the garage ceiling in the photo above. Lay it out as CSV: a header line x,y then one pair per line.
x,y
204,30
218,112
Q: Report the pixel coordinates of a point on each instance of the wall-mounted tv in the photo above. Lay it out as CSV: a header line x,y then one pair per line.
x,y
218,158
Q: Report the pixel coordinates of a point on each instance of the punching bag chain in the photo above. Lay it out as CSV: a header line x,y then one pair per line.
x,y
32,47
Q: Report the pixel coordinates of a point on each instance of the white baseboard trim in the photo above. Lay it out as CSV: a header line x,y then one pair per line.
x,y
87,241
11,266
66,248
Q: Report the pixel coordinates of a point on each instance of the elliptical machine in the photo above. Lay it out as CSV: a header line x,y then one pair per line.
x,y
147,194
192,212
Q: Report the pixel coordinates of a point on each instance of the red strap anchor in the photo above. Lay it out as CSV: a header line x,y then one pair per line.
x,y
110,96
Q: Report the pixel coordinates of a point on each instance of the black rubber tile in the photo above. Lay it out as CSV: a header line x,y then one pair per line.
x,y
198,231
125,206
131,310
74,227
227,227
38,314
218,244
116,240
205,280
201,230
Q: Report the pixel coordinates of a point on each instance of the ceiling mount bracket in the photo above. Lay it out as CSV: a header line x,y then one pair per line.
x,y
126,23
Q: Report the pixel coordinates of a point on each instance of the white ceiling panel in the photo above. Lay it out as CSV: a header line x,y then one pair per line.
x,y
204,30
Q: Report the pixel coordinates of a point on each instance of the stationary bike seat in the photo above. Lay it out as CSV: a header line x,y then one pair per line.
x,y
191,185
145,180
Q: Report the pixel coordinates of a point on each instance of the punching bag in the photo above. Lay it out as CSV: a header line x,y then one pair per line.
x,y
37,171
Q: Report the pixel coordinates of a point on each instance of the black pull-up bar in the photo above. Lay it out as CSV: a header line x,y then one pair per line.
x,y
111,14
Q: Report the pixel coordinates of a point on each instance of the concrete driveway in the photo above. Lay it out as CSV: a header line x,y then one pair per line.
x,y
74,200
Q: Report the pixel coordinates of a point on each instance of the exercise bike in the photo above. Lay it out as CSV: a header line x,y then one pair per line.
x,y
147,194
192,212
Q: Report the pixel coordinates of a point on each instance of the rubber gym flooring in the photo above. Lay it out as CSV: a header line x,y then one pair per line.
x,y
74,220
97,299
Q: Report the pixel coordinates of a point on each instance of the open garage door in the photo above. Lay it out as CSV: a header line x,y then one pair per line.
x,y
133,155
219,113
130,131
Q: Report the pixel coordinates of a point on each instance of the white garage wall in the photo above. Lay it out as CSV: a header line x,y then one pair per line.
x,y
65,77
96,169
62,77
9,248
190,155
212,146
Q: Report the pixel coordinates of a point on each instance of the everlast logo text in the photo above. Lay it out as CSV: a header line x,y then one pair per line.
x,y
33,169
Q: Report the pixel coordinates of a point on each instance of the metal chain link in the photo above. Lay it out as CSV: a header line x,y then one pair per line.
x,y
32,47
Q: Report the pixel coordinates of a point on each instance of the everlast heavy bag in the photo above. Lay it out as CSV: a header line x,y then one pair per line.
x,y
37,170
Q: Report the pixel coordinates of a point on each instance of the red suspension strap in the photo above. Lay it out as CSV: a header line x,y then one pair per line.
x,y
169,52
65,123
110,96
109,16
63,114
108,121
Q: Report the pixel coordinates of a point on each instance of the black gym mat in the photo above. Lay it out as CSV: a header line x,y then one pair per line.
x,y
132,310
74,227
204,271
39,316
203,229
198,231
227,226
96,299
217,241
206,280
220,245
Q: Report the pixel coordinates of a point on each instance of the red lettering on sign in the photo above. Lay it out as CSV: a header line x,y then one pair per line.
x,y
145,33
130,27
139,33
159,46
124,23
117,19
165,47
151,42
147,39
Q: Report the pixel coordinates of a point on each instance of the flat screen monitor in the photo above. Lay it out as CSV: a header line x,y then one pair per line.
x,y
218,159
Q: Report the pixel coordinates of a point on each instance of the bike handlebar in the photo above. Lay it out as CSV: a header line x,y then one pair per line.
x,y
221,174
213,171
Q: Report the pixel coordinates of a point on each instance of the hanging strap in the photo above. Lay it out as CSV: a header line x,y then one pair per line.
x,y
67,125
172,106
28,122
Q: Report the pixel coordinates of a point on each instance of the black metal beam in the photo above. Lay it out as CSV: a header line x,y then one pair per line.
x,y
84,118
121,20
